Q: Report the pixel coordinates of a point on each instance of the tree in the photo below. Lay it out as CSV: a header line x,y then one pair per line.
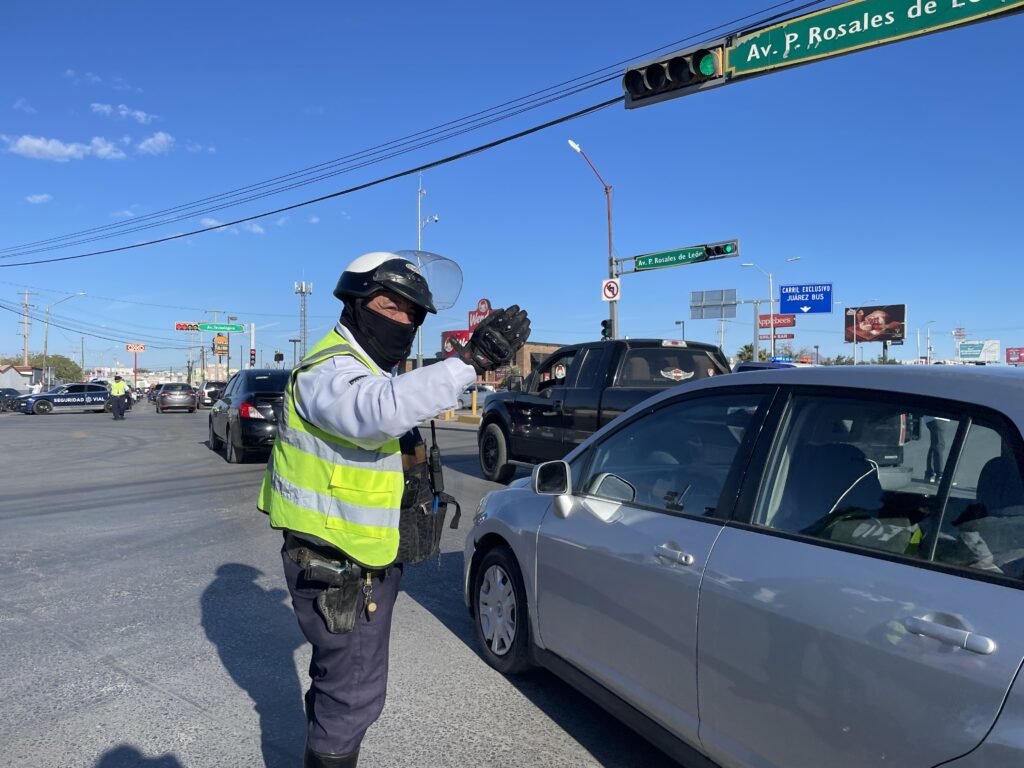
x,y
746,353
64,368
838,360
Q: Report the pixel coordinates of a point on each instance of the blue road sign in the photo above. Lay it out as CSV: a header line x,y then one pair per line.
x,y
805,299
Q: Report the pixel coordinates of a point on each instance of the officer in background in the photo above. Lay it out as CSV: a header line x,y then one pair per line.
x,y
118,391
335,482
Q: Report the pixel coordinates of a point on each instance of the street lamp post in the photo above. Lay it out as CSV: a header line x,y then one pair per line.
x,y
46,335
613,306
682,329
294,343
420,224
771,298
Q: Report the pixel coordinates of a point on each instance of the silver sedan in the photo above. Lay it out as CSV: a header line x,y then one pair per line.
x,y
814,567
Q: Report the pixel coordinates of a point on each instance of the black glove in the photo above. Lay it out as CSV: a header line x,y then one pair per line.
x,y
495,341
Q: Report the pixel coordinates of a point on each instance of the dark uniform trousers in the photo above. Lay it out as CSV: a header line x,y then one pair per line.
x,y
348,672
117,406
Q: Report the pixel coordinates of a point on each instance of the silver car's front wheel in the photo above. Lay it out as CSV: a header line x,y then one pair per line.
x,y
497,601
502,618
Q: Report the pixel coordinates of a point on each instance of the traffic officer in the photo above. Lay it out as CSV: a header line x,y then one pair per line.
x,y
334,483
118,391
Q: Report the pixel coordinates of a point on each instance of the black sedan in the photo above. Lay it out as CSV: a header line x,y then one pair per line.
x,y
176,396
244,419
9,399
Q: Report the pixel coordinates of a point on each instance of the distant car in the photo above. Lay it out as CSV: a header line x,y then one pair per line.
x,y
176,397
152,391
482,392
9,399
244,419
209,392
767,365
68,397
728,568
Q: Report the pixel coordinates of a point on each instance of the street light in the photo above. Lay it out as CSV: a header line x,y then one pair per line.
x,y
682,329
771,298
46,335
613,306
928,348
420,224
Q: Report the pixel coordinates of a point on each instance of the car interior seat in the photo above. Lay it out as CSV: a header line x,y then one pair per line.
x,y
638,371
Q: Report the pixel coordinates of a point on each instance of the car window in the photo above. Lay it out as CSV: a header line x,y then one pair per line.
x,y
75,389
675,459
859,471
591,368
96,388
177,388
665,366
231,386
555,372
983,524
272,381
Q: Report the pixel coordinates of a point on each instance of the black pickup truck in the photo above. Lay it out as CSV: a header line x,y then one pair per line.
x,y
576,391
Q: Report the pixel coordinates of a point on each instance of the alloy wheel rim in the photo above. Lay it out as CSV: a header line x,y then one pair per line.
x,y
498,616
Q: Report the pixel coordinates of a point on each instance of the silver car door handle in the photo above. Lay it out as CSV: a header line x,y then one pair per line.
x,y
674,555
959,638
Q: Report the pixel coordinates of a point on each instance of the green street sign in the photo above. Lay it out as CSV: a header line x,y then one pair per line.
x,y
692,255
222,327
851,27
670,258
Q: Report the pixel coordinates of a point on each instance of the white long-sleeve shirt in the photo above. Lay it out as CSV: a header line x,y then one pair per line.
x,y
341,397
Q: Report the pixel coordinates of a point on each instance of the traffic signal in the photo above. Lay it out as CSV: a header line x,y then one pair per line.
x,y
606,329
279,357
677,74
722,250
252,358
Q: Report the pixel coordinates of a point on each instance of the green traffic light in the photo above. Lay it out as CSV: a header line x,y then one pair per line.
x,y
728,248
707,64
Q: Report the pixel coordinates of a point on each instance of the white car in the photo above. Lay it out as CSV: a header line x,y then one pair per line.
x,y
482,392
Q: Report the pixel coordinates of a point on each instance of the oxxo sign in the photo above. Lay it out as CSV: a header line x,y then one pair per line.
x,y
135,347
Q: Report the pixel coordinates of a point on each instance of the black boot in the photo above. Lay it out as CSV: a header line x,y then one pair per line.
x,y
321,760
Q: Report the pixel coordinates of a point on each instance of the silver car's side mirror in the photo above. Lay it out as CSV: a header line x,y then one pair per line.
x,y
552,478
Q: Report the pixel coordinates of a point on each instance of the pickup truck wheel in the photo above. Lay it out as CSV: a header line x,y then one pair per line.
x,y
494,455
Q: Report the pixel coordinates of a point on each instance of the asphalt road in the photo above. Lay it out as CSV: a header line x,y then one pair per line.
x,y
144,620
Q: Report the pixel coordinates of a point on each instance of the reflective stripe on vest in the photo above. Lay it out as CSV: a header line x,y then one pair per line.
x,y
329,487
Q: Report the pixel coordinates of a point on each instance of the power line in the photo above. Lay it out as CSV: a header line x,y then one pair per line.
x,y
350,190
442,132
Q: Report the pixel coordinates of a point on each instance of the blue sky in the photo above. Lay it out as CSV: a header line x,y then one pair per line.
x,y
893,173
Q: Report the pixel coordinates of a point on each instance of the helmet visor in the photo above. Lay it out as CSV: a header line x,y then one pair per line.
x,y
443,276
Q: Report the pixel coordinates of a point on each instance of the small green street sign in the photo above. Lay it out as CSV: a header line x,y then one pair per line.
x,y
851,27
222,327
670,258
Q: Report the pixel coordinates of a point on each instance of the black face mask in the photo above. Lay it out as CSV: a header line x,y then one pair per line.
x,y
386,341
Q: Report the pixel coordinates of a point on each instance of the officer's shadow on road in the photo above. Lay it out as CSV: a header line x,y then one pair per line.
x,y
439,591
255,632
127,756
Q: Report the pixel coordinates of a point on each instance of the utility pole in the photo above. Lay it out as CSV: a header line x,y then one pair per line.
x,y
304,289
293,343
420,224
83,355
25,325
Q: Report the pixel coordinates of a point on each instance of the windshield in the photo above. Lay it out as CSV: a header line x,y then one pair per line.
x,y
271,381
666,366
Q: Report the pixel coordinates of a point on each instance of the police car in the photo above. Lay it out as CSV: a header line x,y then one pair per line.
x,y
69,397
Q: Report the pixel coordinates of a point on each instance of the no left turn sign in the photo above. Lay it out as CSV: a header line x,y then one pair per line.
x,y
610,289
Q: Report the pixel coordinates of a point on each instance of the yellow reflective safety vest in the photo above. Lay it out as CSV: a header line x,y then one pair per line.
x,y
118,388
326,486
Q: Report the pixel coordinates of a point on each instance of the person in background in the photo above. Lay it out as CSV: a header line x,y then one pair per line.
x,y
118,393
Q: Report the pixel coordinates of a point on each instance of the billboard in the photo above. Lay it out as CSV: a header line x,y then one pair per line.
x,y
986,351
886,322
447,350
1015,355
483,309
